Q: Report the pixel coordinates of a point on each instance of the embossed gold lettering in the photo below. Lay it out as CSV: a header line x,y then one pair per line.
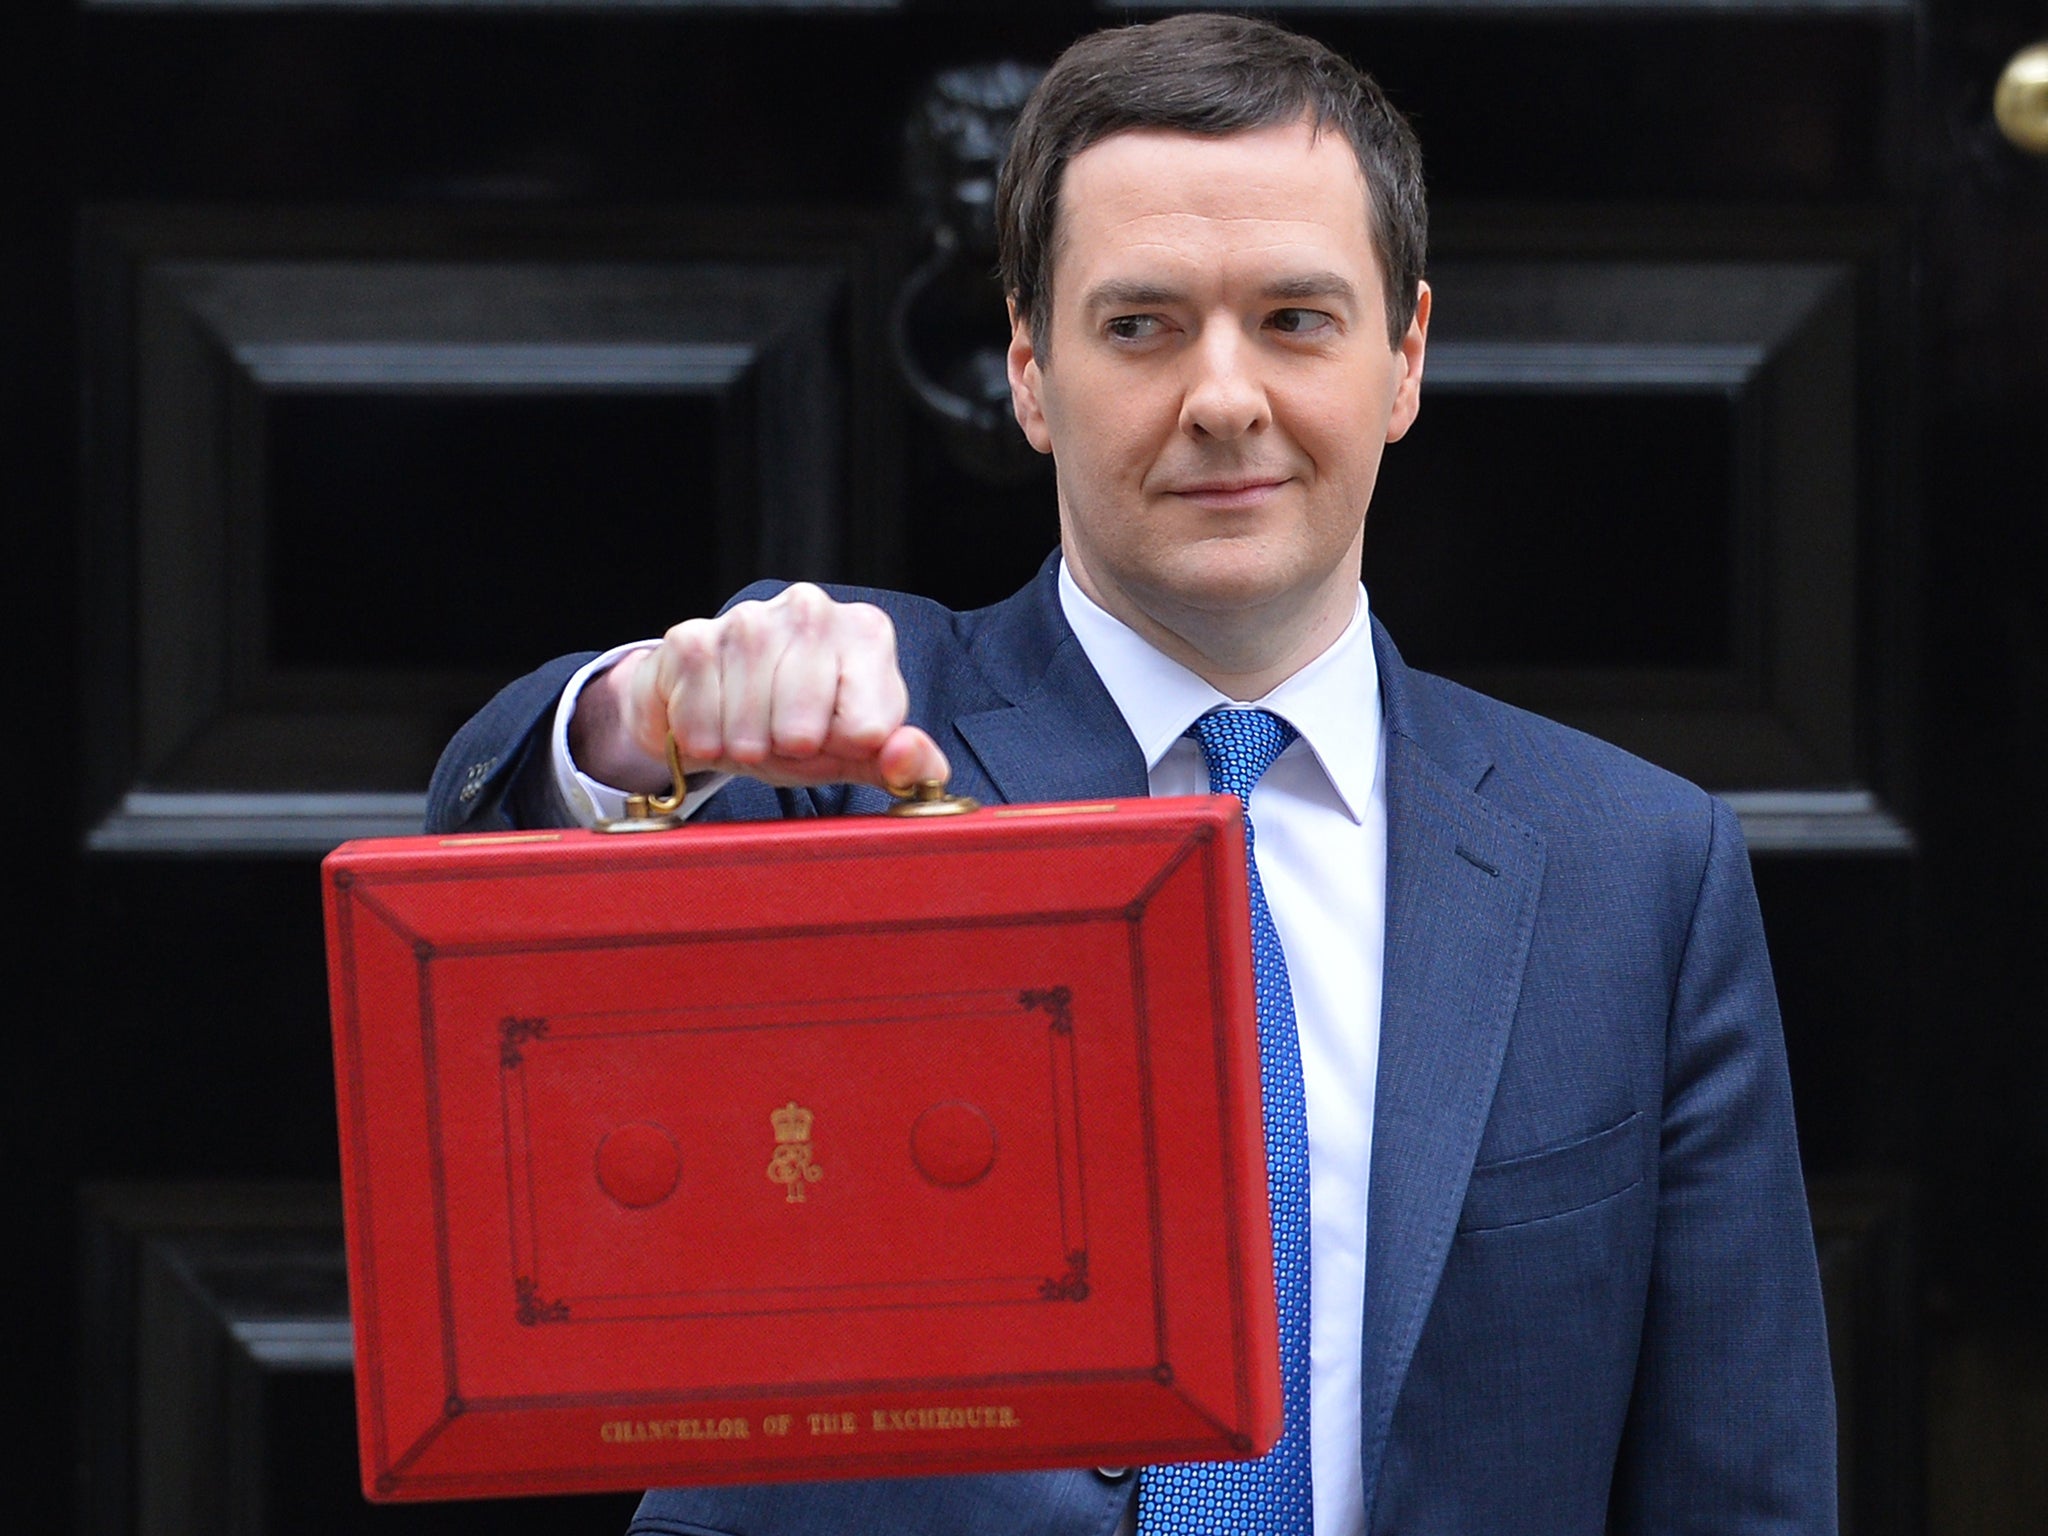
x,y
833,1423
639,1431
1000,1416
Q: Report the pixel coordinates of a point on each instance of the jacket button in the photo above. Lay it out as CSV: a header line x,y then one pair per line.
x,y
1112,1474
473,781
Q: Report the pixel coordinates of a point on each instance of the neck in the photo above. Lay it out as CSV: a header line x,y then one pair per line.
x,y
1243,654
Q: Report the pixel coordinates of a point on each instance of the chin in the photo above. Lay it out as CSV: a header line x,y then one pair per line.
x,y
1220,592
1237,573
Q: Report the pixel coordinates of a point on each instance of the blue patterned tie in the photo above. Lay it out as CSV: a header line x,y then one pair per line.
x,y
1270,1496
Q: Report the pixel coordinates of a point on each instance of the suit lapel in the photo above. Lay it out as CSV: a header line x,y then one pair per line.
x,y
1462,884
1061,737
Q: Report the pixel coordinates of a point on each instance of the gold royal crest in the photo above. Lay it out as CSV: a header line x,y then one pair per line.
x,y
791,1166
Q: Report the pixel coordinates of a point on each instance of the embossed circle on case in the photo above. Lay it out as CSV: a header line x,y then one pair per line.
x,y
639,1165
953,1144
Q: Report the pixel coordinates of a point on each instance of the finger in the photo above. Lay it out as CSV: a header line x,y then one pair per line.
x,y
908,758
692,695
872,700
806,671
642,710
751,639
805,689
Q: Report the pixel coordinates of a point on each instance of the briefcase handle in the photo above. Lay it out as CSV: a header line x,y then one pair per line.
x,y
661,813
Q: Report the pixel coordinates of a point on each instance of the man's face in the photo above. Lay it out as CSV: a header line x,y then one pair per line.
x,y
1216,388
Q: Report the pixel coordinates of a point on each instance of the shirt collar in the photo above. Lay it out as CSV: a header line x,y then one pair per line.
x,y
1333,702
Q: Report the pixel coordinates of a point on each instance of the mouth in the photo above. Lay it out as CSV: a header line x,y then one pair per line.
x,y
1233,492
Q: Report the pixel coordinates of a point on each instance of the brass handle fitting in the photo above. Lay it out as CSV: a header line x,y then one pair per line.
x,y
654,813
928,797
2020,103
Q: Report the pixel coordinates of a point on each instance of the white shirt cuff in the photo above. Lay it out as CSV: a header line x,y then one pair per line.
x,y
588,800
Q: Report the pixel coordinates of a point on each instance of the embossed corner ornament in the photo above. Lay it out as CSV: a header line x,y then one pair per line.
x,y
532,1308
793,1166
1073,1285
513,1036
1056,1001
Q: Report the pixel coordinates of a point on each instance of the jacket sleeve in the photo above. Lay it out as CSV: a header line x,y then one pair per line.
x,y
1731,1424
496,773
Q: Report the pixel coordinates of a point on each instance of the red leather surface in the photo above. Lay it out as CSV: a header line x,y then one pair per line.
x,y
881,1146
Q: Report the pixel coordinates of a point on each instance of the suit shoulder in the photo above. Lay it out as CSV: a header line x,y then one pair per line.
x,y
1566,782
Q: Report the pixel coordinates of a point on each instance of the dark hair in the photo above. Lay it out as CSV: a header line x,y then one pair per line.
x,y
1209,74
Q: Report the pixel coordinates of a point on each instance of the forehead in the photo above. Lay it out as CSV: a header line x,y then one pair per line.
x,y
1162,195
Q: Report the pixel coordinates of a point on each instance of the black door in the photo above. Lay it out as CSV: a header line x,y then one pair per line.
x,y
360,355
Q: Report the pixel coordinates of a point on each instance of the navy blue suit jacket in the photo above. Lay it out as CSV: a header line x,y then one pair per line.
x,y
1591,1298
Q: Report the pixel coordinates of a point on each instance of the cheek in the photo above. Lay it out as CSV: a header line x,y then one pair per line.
x,y
1344,441
1100,446
1111,413
1361,464
1345,477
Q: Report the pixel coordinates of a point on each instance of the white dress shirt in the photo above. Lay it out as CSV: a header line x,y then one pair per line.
x,y
1321,817
1320,814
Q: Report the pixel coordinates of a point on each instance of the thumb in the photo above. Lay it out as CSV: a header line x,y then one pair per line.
x,y
908,757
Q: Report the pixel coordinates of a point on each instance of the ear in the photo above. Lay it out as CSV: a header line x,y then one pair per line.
x,y
1027,383
1407,365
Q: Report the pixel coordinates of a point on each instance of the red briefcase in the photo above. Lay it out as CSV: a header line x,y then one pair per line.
x,y
802,1150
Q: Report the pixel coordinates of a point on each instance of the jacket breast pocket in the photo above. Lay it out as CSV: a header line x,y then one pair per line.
x,y
1555,1181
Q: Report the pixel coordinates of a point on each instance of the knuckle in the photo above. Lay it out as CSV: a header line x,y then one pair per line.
x,y
691,642
807,609
745,629
870,624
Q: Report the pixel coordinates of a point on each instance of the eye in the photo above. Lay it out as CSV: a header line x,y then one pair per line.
x,y
1300,322
1133,327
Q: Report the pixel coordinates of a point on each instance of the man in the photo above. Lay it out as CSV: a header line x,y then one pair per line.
x,y
1559,1273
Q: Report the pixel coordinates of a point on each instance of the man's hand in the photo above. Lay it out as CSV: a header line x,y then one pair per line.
x,y
797,690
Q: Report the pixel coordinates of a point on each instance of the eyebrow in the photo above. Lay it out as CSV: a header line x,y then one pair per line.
x,y
1311,285
1127,293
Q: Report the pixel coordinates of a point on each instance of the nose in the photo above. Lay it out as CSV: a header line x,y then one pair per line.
x,y
1224,397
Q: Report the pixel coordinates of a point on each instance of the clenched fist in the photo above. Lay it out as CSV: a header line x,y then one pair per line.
x,y
797,690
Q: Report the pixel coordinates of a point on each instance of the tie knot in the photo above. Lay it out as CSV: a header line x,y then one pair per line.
x,y
1240,745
